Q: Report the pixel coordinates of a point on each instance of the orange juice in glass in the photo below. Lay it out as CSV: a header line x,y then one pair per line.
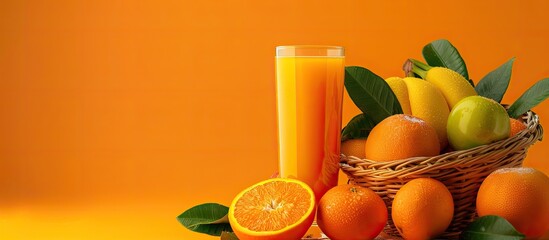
x,y
309,83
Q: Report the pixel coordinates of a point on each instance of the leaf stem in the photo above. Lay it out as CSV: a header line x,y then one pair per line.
x,y
417,70
420,64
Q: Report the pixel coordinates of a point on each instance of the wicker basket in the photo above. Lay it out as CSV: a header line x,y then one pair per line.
x,y
461,171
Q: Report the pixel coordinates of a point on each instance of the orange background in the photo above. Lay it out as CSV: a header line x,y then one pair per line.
x,y
116,116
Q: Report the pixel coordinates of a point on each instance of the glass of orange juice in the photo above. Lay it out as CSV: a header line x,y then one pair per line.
x,y
309,81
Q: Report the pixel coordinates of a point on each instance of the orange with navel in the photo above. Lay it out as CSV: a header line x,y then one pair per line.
x,y
401,136
351,212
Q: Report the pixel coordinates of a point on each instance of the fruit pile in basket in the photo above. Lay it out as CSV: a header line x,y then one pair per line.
x,y
463,115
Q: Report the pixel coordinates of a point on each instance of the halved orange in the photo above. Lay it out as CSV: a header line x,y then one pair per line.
x,y
277,208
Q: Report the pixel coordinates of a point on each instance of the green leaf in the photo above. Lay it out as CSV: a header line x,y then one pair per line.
x,y
491,227
529,99
371,94
208,218
494,84
228,236
358,127
441,53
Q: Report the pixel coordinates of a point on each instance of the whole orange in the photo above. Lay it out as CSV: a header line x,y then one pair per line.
x,y
354,147
520,195
422,209
401,136
349,212
516,126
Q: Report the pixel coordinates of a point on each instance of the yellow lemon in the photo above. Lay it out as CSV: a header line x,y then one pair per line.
x,y
428,103
453,86
401,91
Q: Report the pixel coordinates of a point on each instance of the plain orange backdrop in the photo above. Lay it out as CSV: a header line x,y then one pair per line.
x,y
116,116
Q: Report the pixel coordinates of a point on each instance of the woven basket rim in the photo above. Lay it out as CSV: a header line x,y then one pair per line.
x,y
530,135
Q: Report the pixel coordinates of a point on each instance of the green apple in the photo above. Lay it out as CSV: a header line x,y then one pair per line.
x,y
475,121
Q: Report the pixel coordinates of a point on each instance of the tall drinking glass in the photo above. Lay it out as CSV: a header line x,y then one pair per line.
x,y
309,83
